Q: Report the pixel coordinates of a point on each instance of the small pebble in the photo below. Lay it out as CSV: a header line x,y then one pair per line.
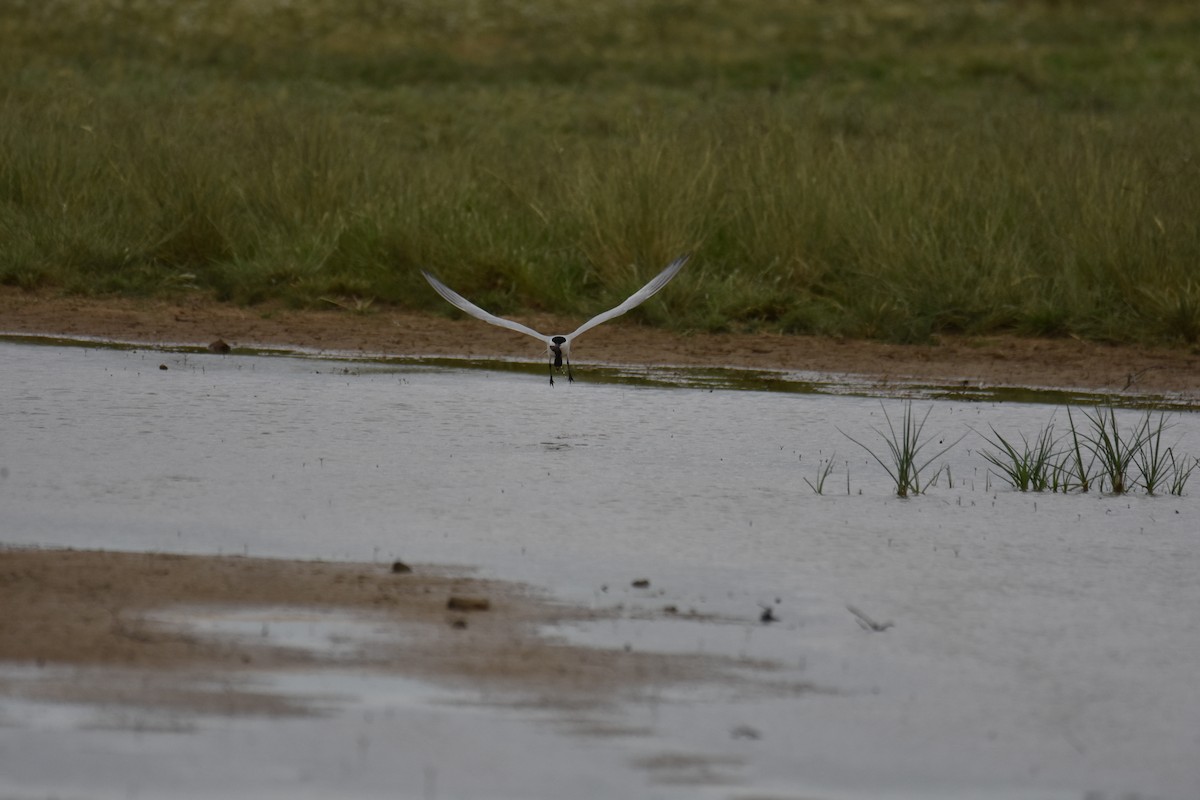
x,y
745,732
460,603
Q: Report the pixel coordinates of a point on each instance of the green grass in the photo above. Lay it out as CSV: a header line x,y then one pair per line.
x,y
1116,449
1100,453
1028,467
824,467
903,462
894,170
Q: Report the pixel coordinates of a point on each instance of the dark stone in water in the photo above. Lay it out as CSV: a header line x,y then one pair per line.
x,y
461,603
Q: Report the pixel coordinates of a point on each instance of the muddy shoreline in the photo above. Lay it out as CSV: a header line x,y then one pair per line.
x,y
979,361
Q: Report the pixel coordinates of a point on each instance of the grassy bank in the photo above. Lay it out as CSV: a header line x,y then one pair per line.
x,y
879,169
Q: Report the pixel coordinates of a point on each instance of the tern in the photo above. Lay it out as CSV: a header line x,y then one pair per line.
x,y
558,347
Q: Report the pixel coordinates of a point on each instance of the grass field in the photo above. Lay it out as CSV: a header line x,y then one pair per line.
x,y
893,170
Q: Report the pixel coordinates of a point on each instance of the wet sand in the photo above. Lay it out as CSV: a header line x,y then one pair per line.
x,y
82,608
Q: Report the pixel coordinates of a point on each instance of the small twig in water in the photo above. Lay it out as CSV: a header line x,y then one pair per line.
x,y
1132,378
868,624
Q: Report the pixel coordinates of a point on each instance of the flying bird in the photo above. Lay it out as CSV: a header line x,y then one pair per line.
x,y
558,347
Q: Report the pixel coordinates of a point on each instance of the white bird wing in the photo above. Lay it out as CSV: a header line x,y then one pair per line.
x,y
458,301
637,298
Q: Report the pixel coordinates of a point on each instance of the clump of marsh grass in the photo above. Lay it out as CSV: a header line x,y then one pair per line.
x,y
1157,467
904,465
1180,472
1136,457
1101,453
1150,460
1043,463
1115,450
1177,308
1032,466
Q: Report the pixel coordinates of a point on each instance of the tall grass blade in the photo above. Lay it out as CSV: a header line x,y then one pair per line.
x,y
1072,466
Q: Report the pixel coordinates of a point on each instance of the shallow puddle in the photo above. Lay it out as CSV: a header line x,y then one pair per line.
x,y
331,635
1040,646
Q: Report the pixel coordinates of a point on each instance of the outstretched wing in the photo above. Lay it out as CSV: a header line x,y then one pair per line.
x,y
458,301
637,298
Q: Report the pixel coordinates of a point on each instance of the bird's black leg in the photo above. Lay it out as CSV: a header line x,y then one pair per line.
x,y
570,377
551,364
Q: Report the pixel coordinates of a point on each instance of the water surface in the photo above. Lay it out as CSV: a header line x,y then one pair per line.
x,y
1043,645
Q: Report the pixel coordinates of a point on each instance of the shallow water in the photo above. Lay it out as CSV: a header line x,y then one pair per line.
x,y
1043,645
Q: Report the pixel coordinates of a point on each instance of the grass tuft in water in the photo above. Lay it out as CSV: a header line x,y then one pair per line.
x,y
1115,450
1123,459
1032,467
904,448
1100,453
1151,460
1180,472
